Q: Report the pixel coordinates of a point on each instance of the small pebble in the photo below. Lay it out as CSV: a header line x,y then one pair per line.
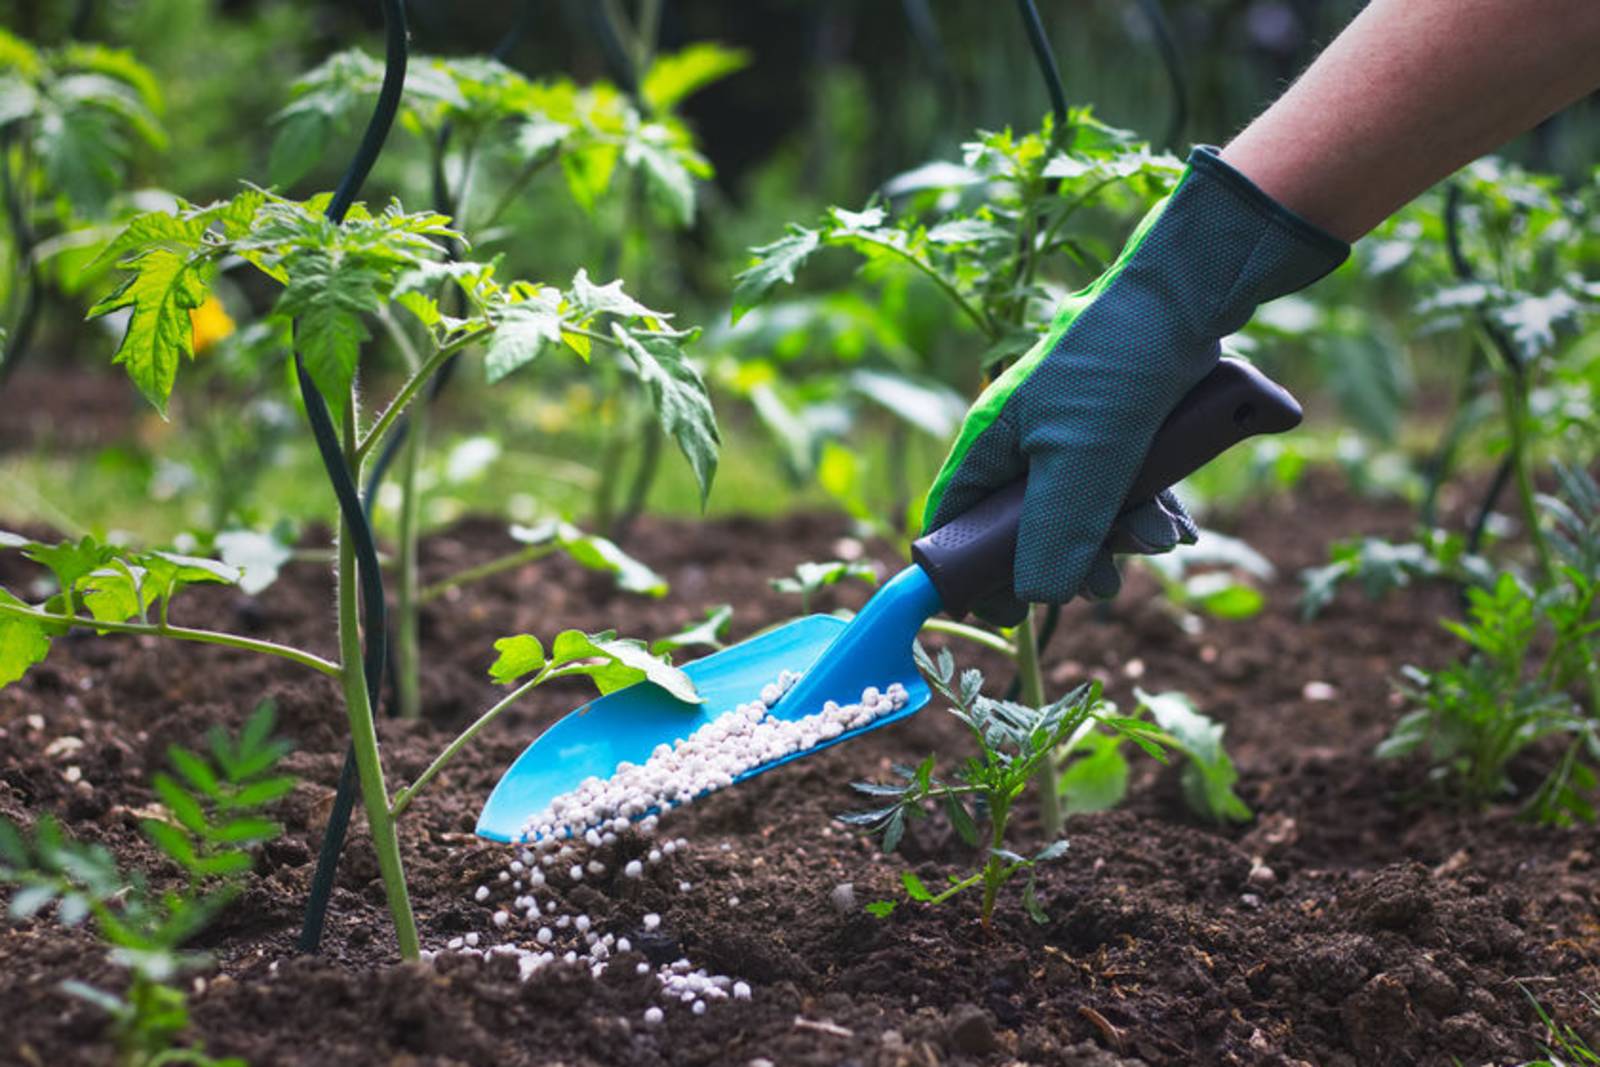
x,y
652,921
482,894
653,1016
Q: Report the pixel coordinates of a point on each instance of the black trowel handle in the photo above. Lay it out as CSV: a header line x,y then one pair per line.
x,y
971,557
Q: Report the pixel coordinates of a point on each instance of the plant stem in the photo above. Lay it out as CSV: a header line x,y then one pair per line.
x,y
1032,679
408,664
364,734
403,798
1514,397
976,635
179,633
508,562
408,392
993,867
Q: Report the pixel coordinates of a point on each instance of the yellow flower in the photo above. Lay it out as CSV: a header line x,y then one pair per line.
x,y
211,323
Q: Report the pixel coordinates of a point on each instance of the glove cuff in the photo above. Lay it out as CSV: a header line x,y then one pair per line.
x,y
1238,246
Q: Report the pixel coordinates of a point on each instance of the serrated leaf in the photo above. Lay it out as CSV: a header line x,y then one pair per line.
x,y
881,909
326,299
521,332
23,642
164,287
665,171
774,264
894,830
914,887
519,656
680,399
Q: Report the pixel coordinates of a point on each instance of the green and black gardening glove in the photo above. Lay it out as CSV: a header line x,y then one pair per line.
x,y
1078,411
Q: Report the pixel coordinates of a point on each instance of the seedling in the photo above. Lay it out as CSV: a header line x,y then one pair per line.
x,y
213,818
809,578
1515,689
1014,743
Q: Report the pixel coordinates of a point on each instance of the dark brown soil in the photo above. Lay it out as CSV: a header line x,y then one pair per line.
x,y
1372,931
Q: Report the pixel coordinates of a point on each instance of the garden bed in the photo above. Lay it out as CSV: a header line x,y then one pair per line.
x,y
1343,926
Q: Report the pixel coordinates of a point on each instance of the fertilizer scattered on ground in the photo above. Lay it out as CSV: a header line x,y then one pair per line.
x,y
564,838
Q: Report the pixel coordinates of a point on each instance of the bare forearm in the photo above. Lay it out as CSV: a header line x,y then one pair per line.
x,y
1409,92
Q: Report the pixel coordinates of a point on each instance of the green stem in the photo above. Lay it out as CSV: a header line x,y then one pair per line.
x,y
976,635
512,561
1029,672
402,799
408,662
982,321
364,734
994,867
1514,399
515,189
408,392
179,633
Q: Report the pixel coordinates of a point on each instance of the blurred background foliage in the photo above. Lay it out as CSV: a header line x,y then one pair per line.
x,y
822,103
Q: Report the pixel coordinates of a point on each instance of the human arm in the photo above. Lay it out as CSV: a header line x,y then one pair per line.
x,y
1408,93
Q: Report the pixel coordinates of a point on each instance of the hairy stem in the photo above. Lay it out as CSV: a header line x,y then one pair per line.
x,y
408,662
364,735
408,393
403,798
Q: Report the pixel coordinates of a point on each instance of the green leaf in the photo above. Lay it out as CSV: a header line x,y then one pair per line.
x,y
1209,776
23,642
521,332
117,593
665,172
245,830
615,663
914,887
1030,901
164,287
69,561
881,909
707,632
195,770
774,264
1097,780
327,297
677,75
171,841
184,807
961,819
595,553
680,398
1052,852
301,140
1223,596
519,655
262,792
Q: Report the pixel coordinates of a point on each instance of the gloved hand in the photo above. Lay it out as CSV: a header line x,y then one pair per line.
x,y
1078,411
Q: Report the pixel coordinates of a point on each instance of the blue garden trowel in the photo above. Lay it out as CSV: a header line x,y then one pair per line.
x,y
955,567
